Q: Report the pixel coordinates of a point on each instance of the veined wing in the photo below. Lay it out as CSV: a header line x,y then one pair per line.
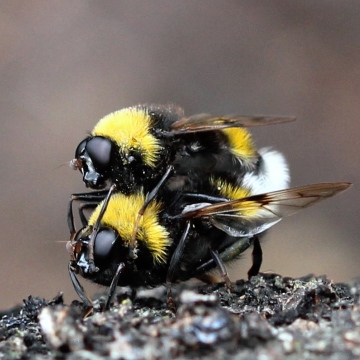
x,y
206,122
255,214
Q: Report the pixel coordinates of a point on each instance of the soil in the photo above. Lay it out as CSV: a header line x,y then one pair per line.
x,y
268,317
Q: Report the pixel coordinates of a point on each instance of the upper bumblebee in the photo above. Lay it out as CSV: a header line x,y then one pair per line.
x,y
136,146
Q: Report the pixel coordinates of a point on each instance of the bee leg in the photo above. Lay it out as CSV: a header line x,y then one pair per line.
x,y
170,299
173,267
92,267
95,197
152,194
209,278
204,197
230,253
70,219
80,291
85,206
90,196
148,200
133,294
113,286
222,268
256,258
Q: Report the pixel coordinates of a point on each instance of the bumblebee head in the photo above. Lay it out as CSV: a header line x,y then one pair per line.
x,y
93,159
103,249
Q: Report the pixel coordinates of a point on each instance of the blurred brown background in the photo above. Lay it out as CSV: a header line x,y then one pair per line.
x,y
64,65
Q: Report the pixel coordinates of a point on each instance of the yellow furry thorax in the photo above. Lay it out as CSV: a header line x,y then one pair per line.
x,y
121,214
240,143
129,128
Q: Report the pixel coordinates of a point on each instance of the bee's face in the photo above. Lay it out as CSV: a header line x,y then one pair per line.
x,y
79,248
93,159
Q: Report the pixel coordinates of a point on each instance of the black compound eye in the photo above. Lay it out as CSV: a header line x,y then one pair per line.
x,y
104,243
99,150
80,149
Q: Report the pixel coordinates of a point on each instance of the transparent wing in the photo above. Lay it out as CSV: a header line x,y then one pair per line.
x,y
206,122
255,214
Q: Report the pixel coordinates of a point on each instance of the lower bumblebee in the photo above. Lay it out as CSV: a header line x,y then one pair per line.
x,y
179,236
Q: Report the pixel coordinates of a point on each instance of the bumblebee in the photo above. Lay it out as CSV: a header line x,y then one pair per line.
x,y
271,174
178,240
135,147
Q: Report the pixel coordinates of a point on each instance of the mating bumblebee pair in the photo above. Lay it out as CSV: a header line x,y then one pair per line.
x,y
186,195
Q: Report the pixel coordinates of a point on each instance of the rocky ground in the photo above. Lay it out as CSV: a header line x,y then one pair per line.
x,y
269,317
